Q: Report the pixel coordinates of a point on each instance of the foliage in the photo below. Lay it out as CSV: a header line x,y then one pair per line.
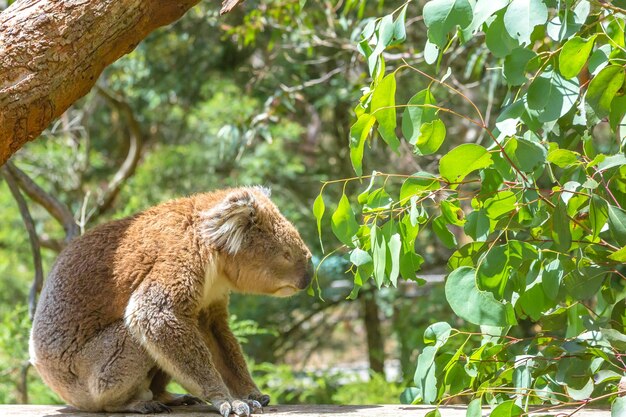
x,y
288,387
534,216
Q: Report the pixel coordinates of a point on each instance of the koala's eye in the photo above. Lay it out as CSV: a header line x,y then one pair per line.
x,y
287,255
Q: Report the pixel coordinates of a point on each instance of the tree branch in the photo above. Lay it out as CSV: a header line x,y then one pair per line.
x,y
32,236
52,52
53,206
127,169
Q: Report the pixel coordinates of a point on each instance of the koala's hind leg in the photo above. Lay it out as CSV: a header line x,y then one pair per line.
x,y
118,374
159,393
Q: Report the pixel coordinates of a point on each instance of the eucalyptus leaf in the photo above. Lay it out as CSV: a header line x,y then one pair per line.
x,y
443,16
462,160
383,108
474,305
522,16
344,223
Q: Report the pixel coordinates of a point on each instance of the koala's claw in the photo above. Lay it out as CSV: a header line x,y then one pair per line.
x,y
240,408
255,406
225,409
236,407
263,399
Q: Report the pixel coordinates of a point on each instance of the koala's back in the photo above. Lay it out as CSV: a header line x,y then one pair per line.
x,y
93,278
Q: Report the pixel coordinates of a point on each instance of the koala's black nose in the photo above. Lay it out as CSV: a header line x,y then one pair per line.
x,y
308,275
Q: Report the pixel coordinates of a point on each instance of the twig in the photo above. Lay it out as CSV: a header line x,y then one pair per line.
x,y
32,236
53,206
127,169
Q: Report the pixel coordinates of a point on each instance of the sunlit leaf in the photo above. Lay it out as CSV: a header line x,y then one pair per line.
x,y
432,135
318,211
344,223
442,16
417,112
462,160
574,55
522,16
603,87
383,108
359,132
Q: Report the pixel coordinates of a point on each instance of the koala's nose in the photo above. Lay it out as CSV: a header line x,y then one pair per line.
x,y
308,275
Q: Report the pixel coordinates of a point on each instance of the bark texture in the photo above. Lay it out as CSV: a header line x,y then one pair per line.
x,y
52,52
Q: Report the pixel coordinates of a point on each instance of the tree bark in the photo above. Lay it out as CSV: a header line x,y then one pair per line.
x,y
375,341
52,52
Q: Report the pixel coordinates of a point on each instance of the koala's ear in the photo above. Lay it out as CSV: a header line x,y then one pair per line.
x,y
226,224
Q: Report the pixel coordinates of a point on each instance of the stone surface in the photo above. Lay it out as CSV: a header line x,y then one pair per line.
x,y
291,411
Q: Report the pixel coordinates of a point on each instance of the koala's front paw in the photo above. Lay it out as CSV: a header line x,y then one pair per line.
x,y
236,407
263,399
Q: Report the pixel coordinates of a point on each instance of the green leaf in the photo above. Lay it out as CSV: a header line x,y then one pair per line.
x,y
522,16
477,225
474,305
417,184
318,211
409,395
483,10
343,222
515,65
603,87
383,108
399,28
462,160
499,42
443,16
500,204
507,409
574,55
618,408
618,110
433,413
551,278
525,154
377,200
598,214
493,270
416,113
360,257
394,250
358,134
385,32
437,333
619,255
431,137
552,96
509,118
617,224
424,378
474,408
563,158
379,255
561,233
443,233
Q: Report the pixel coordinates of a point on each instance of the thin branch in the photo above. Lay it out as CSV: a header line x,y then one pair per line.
x,y
53,206
32,236
127,169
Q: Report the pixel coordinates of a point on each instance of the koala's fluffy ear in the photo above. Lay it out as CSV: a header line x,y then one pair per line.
x,y
225,225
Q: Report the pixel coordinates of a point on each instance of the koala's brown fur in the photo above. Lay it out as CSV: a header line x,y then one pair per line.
x,y
138,301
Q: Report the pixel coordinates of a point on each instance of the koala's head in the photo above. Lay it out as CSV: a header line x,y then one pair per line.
x,y
261,252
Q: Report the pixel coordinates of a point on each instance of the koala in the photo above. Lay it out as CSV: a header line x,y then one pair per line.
x,y
138,301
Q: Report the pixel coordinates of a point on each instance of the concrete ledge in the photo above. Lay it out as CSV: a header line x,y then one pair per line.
x,y
292,411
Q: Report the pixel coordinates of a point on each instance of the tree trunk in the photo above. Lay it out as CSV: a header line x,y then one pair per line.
x,y
375,341
52,52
